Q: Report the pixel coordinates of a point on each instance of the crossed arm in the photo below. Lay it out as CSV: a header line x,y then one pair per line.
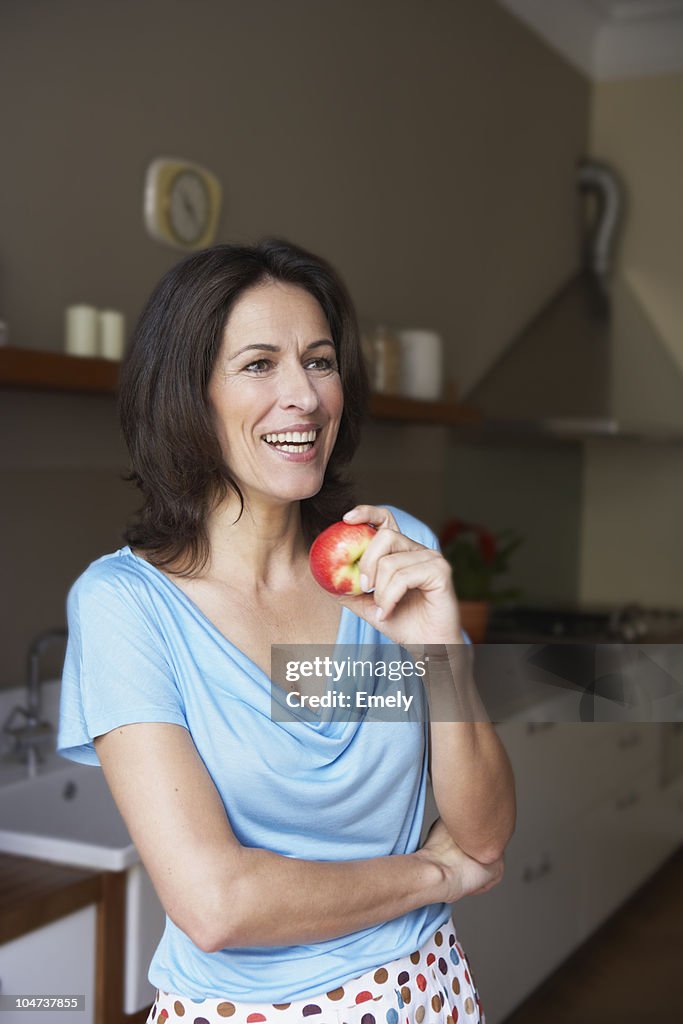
x,y
221,893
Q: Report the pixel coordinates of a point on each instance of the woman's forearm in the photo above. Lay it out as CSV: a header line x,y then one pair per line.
x,y
474,787
281,901
472,779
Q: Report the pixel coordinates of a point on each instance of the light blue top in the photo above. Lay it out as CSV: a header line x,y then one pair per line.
x,y
140,650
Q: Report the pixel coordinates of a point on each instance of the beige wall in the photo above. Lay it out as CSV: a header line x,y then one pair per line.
x,y
535,490
636,125
427,149
632,544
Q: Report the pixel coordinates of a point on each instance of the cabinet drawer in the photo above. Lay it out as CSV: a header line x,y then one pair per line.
x,y
563,769
619,752
542,756
625,839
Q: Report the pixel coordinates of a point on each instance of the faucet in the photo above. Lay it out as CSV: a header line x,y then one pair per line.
x,y
34,733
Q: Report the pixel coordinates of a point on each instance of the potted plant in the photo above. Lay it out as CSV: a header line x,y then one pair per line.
x,y
477,556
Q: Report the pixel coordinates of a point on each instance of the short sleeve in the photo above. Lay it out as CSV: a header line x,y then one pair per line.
x,y
115,671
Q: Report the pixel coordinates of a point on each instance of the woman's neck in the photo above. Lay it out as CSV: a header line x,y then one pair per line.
x,y
264,546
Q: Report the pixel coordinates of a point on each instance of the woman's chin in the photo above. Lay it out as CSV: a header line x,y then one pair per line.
x,y
301,494
287,495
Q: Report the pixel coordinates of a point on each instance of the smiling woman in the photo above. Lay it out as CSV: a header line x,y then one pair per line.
x,y
285,852
189,358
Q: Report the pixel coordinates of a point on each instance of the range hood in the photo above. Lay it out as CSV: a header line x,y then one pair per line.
x,y
591,364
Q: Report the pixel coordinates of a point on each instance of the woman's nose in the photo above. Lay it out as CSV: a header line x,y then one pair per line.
x,y
296,389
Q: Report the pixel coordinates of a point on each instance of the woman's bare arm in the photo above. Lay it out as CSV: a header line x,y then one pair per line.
x,y
223,894
472,778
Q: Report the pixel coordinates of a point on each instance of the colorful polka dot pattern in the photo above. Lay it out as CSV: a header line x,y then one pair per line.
x,y
433,985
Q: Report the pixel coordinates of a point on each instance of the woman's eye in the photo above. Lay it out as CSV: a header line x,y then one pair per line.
x,y
258,366
322,363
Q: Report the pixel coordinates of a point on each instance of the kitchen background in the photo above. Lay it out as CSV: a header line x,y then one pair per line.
x,y
429,150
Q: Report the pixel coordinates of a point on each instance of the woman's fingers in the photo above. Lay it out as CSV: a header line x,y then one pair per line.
x,y
374,514
402,571
408,587
361,604
386,541
393,564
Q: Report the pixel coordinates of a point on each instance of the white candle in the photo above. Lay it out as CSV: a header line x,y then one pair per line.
x,y
422,359
112,331
81,331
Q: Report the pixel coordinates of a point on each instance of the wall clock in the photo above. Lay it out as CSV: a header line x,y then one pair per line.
x,y
182,203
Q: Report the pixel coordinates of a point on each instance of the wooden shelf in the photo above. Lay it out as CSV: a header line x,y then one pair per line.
x,y
31,369
409,410
55,371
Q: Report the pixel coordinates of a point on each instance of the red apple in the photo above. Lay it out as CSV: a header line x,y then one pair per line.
x,y
335,554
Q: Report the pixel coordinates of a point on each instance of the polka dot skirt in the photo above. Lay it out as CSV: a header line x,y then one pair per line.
x,y
433,985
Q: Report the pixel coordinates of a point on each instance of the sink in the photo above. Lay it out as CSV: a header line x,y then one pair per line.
x,y
67,816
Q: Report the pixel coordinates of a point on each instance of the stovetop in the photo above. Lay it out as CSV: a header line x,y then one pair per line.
x,y
629,623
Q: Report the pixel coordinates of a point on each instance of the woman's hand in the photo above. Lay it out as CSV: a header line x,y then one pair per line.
x,y
413,600
464,875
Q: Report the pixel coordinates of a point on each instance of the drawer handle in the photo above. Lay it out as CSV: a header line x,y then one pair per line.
x,y
533,727
622,803
632,740
531,874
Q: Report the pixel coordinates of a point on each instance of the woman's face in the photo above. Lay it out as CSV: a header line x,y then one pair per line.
x,y
276,393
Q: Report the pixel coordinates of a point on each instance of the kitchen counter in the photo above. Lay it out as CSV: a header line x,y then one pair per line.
x,y
572,680
34,893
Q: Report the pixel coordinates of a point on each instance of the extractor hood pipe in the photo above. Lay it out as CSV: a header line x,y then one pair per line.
x,y
591,363
601,179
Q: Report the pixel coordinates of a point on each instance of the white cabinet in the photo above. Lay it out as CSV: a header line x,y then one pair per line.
x,y
58,959
593,823
542,758
518,932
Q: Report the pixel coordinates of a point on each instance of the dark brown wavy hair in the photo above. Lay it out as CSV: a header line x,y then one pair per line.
x,y
175,456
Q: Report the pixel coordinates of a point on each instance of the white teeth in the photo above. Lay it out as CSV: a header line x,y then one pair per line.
x,y
292,437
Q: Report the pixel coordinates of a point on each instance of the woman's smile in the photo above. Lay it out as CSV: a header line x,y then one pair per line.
x,y
296,441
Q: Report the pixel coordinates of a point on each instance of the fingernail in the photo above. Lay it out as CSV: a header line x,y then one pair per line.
x,y
379,614
364,584
348,515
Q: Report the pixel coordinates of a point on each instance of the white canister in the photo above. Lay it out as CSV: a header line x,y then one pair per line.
x,y
421,364
111,334
80,327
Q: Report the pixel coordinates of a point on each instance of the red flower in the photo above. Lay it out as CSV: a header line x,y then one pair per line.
x,y
485,539
450,531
